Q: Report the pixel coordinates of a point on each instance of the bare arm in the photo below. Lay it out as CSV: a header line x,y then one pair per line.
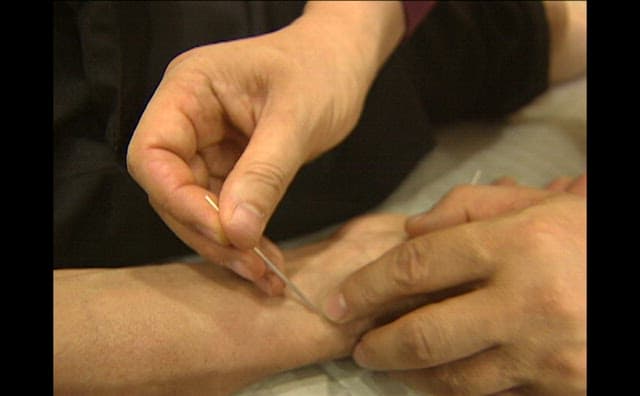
x,y
568,30
197,327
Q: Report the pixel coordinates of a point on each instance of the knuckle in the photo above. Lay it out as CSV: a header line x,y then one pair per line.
x,y
554,306
409,270
568,368
132,162
559,297
177,60
268,175
419,340
539,233
361,299
190,88
556,300
182,59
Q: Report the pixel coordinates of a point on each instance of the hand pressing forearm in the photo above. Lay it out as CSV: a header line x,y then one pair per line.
x,y
516,324
193,328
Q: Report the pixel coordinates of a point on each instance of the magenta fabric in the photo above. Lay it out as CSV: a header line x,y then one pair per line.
x,y
414,13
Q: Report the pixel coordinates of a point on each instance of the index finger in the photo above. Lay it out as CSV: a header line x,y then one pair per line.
x,y
469,203
182,117
430,263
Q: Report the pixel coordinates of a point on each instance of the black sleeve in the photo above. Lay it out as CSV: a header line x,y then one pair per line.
x,y
108,59
480,59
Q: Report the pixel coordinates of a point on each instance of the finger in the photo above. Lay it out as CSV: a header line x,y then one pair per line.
x,y
560,184
269,282
175,190
259,179
517,391
188,206
434,334
275,284
244,263
413,267
578,186
505,181
221,157
470,203
488,373
180,118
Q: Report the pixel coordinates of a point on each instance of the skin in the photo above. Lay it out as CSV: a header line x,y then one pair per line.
x,y
568,31
228,120
186,329
509,263
194,328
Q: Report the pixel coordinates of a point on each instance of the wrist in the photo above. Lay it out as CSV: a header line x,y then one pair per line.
x,y
185,326
367,31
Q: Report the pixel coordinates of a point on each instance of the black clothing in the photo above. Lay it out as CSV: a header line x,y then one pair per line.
x,y
110,56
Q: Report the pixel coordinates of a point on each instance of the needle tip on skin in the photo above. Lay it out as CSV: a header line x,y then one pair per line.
x,y
266,285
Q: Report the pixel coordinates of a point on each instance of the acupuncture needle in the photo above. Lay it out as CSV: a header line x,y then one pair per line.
x,y
476,177
275,269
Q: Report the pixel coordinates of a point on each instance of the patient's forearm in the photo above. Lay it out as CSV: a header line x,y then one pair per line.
x,y
187,327
194,328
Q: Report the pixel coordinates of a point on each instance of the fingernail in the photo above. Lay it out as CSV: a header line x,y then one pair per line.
x,y
358,356
241,269
248,218
264,284
413,220
219,238
276,284
335,307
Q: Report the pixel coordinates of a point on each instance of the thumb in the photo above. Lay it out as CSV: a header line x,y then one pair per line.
x,y
258,181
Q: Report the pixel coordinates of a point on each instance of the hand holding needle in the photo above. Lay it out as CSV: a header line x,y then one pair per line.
x,y
275,269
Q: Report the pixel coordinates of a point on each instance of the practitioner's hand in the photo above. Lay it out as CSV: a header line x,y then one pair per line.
x,y
237,120
510,276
